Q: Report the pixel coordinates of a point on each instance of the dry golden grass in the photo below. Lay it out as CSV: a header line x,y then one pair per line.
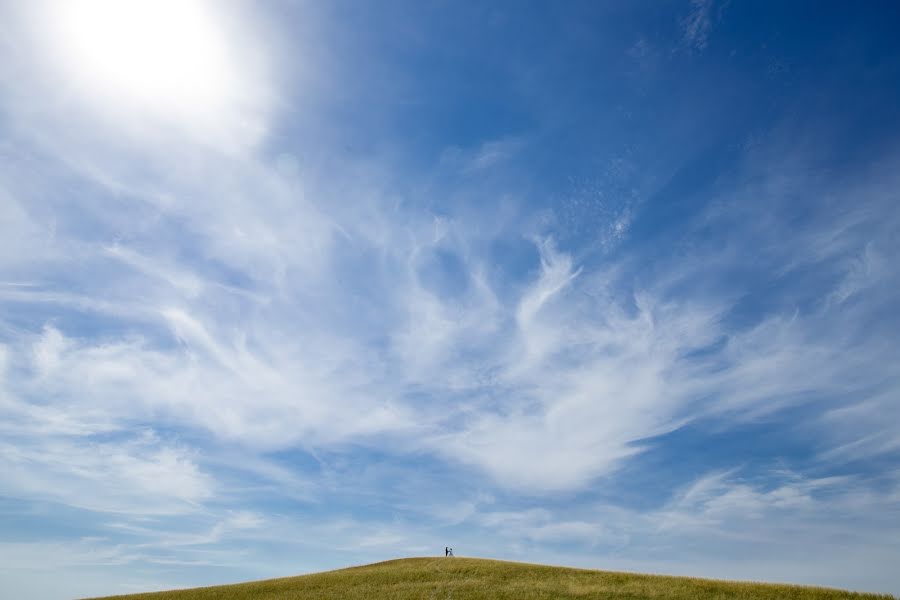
x,y
481,579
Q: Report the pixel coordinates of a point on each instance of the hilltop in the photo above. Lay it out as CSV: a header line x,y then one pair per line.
x,y
482,579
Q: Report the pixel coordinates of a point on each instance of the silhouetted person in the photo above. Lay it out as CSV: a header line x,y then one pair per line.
x,y
450,552
446,551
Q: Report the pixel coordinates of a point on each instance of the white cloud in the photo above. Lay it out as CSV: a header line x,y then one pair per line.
x,y
139,475
696,26
562,378
556,274
721,525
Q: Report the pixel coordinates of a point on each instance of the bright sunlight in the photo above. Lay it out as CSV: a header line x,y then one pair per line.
x,y
168,56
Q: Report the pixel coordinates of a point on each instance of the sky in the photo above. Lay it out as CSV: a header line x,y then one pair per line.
x,y
288,286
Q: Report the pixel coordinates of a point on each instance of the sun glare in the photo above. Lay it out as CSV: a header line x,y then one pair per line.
x,y
163,55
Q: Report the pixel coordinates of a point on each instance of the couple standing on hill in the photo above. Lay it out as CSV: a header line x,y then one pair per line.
x,y
448,551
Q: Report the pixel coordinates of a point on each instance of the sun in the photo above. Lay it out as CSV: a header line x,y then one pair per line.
x,y
167,56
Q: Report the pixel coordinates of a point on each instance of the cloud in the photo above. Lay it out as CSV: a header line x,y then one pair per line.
x,y
556,273
599,384
696,26
741,527
588,365
138,475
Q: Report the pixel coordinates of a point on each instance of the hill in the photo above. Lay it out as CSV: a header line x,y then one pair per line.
x,y
481,579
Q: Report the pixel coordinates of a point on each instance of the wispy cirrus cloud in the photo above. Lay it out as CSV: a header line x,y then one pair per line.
x,y
695,27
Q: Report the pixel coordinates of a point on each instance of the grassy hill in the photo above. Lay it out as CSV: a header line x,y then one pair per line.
x,y
480,579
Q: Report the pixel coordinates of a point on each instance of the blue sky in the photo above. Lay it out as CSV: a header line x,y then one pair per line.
x,y
290,286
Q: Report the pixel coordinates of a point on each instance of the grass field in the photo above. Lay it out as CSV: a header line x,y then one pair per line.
x,y
480,579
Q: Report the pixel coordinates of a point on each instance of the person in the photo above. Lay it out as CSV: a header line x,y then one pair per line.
x,y
450,552
446,551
